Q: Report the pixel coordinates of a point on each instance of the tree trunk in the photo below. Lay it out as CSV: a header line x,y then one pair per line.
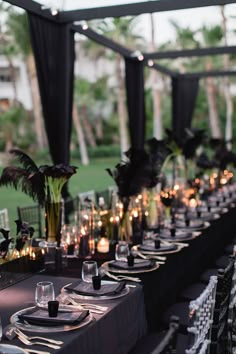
x,y
87,127
80,137
9,142
37,112
155,78
226,80
13,79
99,128
214,122
122,112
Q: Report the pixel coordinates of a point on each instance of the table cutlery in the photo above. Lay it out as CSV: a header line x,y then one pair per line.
x,y
92,309
28,342
67,299
53,341
118,277
147,257
35,351
180,244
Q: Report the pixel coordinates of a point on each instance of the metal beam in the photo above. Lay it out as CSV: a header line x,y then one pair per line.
x,y
33,7
136,9
172,54
98,38
213,73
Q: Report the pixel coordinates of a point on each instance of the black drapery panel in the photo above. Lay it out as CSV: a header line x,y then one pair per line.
x,y
135,101
53,47
184,93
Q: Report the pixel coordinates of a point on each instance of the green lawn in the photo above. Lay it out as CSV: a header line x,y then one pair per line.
x,y
89,177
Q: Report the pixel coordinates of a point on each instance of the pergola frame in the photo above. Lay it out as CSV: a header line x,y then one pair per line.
x,y
66,23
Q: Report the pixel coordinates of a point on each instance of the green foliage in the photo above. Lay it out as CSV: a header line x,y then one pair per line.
x,y
19,28
100,151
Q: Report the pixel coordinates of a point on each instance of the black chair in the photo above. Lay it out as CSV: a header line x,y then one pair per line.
x,y
164,341
70,210
32,214
219,337
169,342
103,199
183,309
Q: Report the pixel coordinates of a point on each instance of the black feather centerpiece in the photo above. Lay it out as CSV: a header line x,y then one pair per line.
x,y
194,139
4,244
25,177
157,151
129,175
44,183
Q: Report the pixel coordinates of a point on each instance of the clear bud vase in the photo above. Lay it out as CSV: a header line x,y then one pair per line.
x,y
53,222
152,210
125,227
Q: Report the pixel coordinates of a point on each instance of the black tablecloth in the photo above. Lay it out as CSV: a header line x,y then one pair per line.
x,y
115,332
162,286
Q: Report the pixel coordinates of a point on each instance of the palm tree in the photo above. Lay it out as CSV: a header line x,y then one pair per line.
x,y
123,31
228,97
212,36
18,27
156,80
185,39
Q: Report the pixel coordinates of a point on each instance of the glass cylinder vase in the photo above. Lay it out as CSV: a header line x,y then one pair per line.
x,y
53,222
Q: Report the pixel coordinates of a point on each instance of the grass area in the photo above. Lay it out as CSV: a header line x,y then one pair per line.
x,y
92,177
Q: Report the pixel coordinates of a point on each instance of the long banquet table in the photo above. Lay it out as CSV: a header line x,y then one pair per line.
x,y
116,331
125,322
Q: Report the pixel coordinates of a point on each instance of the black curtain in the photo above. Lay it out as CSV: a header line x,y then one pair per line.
x,y
184,93
134,79
53,47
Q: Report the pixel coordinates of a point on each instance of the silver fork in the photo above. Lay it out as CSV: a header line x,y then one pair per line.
x,y
66,299
28,342
144,256
118,277
53,341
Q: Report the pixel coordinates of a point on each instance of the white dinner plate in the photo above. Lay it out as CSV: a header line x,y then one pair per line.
x,y
45,329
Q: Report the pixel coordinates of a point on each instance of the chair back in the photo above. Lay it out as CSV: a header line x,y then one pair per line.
x,y
201,315
32,215
70,208
4,220
87,196
219,337
232,312
168,343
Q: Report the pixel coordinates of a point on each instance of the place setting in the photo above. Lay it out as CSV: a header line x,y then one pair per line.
x,y
92,287
46,316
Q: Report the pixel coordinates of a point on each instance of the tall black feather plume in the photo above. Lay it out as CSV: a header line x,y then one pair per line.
x,y
26,178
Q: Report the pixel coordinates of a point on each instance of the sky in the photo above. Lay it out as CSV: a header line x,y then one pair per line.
x,y
193,18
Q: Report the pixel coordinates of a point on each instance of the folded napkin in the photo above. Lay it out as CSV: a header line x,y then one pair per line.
x,y
192,224
163,248
40,317
139,264
179,235
107,289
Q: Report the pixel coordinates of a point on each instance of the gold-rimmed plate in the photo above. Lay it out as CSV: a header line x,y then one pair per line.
x,y
107,266
158,251
11,349
25,326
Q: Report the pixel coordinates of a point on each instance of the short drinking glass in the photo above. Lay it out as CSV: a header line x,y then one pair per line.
x,y
44,292
122,251
89,269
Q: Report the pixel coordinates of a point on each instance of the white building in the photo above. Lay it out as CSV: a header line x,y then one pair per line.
x,y
22,84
